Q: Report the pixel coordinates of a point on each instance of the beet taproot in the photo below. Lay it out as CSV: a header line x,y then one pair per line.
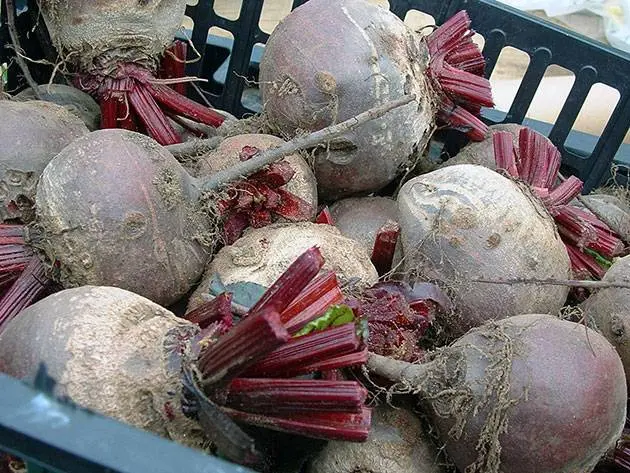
x,y
31,133
529,393
465,223
328,58
108,350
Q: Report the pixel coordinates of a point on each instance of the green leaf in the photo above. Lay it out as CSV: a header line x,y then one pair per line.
x,y
601,260
335,315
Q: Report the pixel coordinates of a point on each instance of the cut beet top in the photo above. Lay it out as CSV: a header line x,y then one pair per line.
x,y
116,47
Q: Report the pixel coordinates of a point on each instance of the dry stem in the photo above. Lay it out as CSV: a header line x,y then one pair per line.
x,y
264,158
589,284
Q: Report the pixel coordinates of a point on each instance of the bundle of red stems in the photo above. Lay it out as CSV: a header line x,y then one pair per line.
x,y
537,163
456,67
23,278
250,369
384,248
261,197
133,98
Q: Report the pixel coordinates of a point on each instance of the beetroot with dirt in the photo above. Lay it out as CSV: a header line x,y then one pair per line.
x,y
312,76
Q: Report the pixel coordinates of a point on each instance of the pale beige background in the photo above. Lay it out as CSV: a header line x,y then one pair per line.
x,y
507,75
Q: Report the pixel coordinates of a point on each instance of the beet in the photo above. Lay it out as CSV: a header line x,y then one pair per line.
x,y
397,444
367,220
609,309
261,255
72,99
109,350
328,59
466,222
32,133
615,211
118,48
115,207
528,156
529,393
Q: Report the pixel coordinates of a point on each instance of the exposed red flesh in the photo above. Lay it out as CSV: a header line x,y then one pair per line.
x,y
29,286
291,283
254,337
270,396
325,217
289,358
456,65
385,247
326,425
215,310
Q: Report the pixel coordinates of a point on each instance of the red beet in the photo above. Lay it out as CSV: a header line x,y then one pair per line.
x,y
524,154
527,394
329,59
31,134
72,99
466,223
116,47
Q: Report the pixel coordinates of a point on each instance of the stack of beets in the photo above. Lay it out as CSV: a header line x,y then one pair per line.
x,y
240,304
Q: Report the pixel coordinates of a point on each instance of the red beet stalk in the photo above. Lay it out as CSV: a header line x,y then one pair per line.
x,y
272,396
289,285
325,425
583,266
385,247
316,298
146,99
455,65
254,337
29,286
289,359
538,164
218,309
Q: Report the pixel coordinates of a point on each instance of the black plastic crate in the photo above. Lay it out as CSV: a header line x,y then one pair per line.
x,y
226,64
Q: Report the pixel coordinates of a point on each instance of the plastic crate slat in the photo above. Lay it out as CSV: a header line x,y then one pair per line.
x,y
201,15
539,62
584,80
609,142
68,439
495,42
241,54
